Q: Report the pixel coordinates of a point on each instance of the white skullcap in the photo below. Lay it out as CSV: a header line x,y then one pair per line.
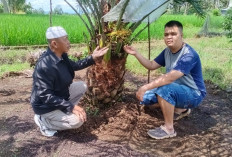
x,y
55,32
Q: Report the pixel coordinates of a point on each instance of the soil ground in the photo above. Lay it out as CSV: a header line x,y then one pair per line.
x,y
117,131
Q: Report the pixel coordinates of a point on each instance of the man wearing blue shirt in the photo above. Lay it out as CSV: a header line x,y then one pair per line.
x,y
54,95
181,88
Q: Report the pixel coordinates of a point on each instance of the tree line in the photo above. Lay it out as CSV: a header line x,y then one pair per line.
x,y
16,6
20,6
206,5
176,7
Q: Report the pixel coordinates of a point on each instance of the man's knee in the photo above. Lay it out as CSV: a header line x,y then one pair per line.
x,y
160,99
75,122
163,91
79,86
166,94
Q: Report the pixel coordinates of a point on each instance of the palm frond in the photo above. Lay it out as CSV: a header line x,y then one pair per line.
x,y
137,34
90,6
196,5
98,10
88,17
121,14
86,25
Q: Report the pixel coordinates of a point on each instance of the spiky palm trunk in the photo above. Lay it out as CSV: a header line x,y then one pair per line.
x,y
105,79
105,82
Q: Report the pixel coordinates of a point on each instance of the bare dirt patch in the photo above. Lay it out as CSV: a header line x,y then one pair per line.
x,y
117,131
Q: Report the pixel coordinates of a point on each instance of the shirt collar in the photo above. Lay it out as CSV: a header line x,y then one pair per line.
x,y
184,45
54,58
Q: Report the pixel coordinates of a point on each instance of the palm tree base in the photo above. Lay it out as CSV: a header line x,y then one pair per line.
x,y
105,82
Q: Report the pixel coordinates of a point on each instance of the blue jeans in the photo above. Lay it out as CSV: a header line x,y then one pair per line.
x,y
180,96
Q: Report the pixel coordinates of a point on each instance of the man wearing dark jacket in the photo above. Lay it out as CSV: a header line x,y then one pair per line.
x,y
54,95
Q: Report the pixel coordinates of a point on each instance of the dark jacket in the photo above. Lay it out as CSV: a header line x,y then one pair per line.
x,y
51,80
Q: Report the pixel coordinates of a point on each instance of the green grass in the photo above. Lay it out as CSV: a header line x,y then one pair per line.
x,y
13,60
13,67
132,63
30,29
192,25
13,56
216,59
215,54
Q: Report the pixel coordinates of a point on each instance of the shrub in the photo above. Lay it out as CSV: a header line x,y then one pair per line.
x,y
227,25
216,12
1,8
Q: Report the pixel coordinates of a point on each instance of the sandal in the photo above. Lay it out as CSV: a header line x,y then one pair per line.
x,y
178,116
160,133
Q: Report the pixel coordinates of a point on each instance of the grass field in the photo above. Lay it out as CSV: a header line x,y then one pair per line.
x,y
215,52
30,29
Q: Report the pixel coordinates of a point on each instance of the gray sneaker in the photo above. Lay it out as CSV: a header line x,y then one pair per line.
x,y
43,129
160,133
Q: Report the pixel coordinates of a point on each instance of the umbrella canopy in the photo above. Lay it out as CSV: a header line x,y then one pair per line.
x,y
136,10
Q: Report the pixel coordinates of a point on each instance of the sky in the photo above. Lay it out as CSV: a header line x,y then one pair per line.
x,y
45,5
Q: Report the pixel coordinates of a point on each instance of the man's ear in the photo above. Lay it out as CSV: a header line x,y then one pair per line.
x,y
53,43
182,34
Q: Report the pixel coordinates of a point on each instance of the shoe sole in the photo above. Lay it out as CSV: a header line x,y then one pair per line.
x,y
37,123
160,138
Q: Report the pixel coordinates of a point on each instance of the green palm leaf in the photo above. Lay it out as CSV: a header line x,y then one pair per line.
x,y
196,5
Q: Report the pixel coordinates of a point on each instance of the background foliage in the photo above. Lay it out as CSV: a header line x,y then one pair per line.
x,y
227,25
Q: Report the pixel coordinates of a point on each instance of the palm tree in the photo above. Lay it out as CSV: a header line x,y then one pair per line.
x,y
106,78
5,6
12,6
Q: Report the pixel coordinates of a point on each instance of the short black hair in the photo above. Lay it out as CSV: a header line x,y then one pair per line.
x,y
173,23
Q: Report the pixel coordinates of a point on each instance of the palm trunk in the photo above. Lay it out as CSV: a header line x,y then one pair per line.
x,y
105,79
105,82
